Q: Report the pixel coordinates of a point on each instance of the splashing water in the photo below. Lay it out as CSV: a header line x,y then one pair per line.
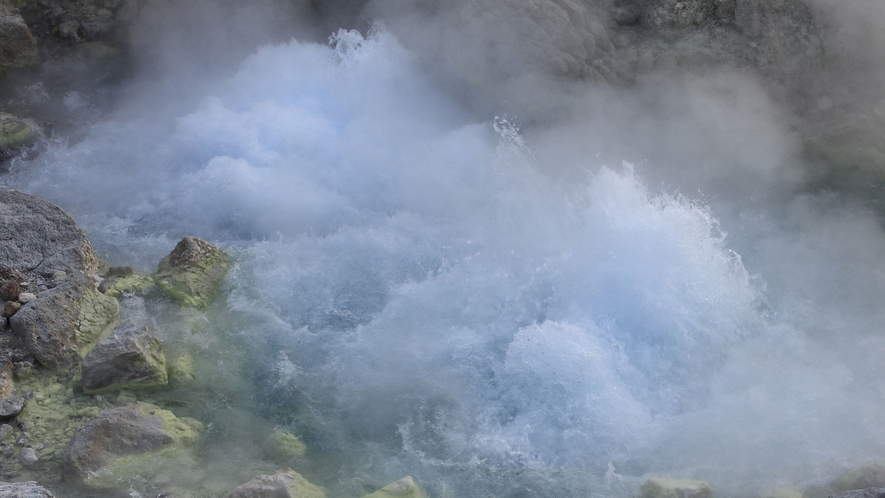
x,y
442,308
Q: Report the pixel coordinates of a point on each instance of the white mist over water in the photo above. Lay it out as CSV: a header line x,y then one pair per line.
x,y
448,309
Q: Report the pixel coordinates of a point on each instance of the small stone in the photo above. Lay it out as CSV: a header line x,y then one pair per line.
x,y
96,279
104,285
26,297
9,291
11,407
59,276
28,456
22,441
11,308
6,430
23,370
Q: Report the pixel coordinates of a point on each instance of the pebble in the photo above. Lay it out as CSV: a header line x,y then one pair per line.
x,y
26,297
11,308
11,407
28,456
9,291
104,286
59,276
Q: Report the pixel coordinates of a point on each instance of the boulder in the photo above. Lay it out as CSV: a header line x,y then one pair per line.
x,y
11,407
285,483
37,236
659,487
130,358
24,490
121,435
405,488
192,272
868,476
66,321
125,279
15,133
18,47
284,447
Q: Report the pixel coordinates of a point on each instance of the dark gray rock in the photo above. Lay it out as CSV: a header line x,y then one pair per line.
x,y
862,493
65,321
17,45
11,407
28,457
37,236
23,490
130,358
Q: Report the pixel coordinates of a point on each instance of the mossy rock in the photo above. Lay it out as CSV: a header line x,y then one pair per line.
x,y
403,488
130,358
284,483
284,447
192,273
181,371
131,283
15,133
660,487
122,444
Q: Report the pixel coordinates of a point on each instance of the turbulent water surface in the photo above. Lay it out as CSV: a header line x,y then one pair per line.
x,y
422,293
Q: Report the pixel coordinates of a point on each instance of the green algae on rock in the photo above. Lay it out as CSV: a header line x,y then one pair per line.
x,y
193,272
65,322
119,444
181,371
284,447
130,358
405,488
284,483
660,487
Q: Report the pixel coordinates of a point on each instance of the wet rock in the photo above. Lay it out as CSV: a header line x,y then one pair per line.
x,y
181,371
862,493
6,431
27,456
23,370
117,437
659,487
285,483
24,490
405,487
11,407
15,133
65,321
284,447
11,308
868,476
192,272
130,358
124,279
9,291
36,236
18,48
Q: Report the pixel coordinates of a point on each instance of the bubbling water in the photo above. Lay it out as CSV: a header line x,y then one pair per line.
x,y
439,306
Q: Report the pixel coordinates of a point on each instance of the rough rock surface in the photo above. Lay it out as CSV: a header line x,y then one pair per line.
x,y
11,407
17,45
120,432
285,483
65,321
658,487
405,487
192,272
130,358
23,490
37,236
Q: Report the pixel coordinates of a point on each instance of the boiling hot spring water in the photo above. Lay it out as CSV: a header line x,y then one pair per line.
x,y
416,291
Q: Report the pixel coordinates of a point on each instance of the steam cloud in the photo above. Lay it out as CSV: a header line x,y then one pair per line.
x,y
470,297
